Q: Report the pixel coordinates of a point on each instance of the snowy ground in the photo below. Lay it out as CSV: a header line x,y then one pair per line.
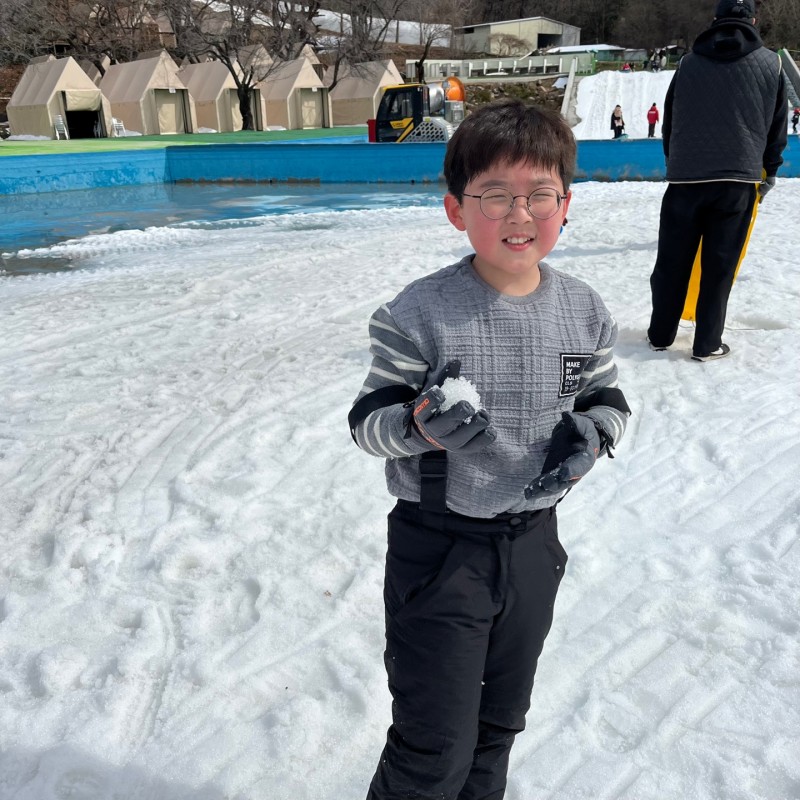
x,y
191,569
190,577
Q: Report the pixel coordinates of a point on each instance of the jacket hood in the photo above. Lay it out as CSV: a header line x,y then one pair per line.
x,y
727,39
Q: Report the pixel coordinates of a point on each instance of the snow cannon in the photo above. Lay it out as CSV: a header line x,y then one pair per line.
x,y
419,112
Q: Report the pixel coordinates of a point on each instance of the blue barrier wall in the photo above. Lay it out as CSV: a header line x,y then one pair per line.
x,y
325,163
626,159
53,173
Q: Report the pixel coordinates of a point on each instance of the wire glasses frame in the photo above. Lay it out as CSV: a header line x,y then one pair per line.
x,y
499,203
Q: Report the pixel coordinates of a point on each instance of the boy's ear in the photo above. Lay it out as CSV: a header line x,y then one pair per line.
x,y
565,205
453,209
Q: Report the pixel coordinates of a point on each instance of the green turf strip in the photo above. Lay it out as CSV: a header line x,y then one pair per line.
x,y
11,147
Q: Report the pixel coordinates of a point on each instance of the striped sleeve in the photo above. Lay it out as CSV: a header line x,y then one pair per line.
x,y
396,361
601,373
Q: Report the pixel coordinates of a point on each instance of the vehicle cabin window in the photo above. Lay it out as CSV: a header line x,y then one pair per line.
x,y
401,106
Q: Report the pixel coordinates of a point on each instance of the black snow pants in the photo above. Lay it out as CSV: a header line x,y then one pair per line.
x,y
718,212
469,603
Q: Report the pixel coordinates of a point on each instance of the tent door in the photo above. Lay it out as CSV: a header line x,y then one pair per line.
x,y
169,111
236,114
85,124
311,108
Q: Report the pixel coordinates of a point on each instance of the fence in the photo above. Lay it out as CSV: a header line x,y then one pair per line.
x,y
495,67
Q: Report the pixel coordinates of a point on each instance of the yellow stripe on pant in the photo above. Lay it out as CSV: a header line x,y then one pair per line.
x,y
690,305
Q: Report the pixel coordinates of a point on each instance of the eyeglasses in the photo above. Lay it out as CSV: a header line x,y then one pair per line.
x,y
499,203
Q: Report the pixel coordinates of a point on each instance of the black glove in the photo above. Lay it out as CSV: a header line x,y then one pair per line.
x,y
765,185
460,428
574,448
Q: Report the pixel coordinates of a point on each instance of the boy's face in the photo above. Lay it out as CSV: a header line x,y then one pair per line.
x,y
508,250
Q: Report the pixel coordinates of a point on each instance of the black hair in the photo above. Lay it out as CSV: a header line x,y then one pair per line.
x,y
508,131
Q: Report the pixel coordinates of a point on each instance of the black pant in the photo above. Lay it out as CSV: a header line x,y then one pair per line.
x,y
718,212
468,606
651,130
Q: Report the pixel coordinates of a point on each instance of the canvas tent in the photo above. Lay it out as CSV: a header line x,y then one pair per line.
x,y
357,94
51,88
213,90
149,97
254,58
92,70
295,97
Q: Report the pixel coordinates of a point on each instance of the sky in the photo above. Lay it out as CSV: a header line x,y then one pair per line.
x,y
192,561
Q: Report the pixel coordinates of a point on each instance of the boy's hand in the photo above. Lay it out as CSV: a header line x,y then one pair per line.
x,y
574,448
459,428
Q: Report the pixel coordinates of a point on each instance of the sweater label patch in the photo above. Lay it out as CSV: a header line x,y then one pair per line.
x,y
572,366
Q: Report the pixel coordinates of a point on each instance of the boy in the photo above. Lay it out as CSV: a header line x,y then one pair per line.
x,y
474,561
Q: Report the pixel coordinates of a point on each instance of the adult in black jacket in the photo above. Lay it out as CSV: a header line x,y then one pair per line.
x,y
617,122
724,127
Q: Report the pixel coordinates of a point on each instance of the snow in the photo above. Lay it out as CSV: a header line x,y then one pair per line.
x,y
397,31
457,389
585,48
191,569
634,91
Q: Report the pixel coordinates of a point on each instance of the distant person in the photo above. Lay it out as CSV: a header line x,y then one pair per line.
x,y
655,60
652,119
617,122
626,67
725,124
473,560
663,62
795,119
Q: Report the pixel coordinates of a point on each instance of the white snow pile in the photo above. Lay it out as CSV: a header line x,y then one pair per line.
x,y
457,389
634,91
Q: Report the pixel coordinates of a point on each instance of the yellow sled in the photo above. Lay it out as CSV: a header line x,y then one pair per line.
x,y
690,305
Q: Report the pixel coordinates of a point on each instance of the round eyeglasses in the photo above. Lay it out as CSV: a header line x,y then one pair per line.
x,y
499,203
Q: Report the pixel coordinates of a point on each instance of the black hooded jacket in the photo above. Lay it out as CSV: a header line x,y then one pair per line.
x,y
726,110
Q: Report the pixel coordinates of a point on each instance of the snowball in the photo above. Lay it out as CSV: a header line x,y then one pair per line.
x,y
456,389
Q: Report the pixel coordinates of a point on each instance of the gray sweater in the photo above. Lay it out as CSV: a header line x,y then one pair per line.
x,y
530,358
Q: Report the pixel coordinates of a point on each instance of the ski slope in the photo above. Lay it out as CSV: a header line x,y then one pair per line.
x,y
634,91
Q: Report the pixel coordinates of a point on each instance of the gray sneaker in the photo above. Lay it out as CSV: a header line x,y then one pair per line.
x,y
722,351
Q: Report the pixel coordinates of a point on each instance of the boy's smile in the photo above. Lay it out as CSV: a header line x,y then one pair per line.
x,y
508,250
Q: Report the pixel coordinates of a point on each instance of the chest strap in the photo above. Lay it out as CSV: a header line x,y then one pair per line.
x,y
432,465
433,482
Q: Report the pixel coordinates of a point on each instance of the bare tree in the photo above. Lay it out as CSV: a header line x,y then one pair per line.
x,y
504,44
435,20
117,29
358,33
779,22
23,33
